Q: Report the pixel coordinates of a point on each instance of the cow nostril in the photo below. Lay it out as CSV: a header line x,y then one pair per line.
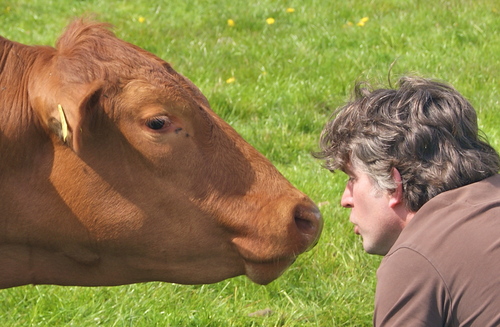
x,y
308,220
304,225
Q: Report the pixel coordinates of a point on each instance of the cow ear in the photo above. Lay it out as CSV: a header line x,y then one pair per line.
x,y
69,119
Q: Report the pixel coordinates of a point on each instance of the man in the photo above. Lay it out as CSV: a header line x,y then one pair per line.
x,y
424,192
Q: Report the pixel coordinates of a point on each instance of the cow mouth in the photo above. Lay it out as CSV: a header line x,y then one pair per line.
x,y
264,272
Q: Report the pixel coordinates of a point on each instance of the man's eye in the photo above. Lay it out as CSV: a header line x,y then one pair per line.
x,y
158,123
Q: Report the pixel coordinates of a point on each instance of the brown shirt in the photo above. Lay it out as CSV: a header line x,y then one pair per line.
x,y
444,269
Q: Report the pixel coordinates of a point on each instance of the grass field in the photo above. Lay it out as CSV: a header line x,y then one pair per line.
x,y
276,81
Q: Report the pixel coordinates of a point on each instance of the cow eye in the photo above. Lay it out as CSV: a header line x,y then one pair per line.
x,y
157,123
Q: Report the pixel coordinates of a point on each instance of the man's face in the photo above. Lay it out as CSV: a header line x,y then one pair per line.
x,y
373,212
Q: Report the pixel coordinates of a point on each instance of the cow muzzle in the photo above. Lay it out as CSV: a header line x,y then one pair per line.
x,y
268,253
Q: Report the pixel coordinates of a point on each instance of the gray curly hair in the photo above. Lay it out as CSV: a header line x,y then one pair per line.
x,y
423,128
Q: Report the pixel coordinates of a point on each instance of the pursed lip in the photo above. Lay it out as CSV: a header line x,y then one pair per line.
x,y
356,227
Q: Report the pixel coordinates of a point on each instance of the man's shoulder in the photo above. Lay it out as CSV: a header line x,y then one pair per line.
x,y
483,191
450,250
456,216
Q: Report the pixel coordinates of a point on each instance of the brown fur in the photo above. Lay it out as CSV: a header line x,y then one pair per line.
x,y
118,202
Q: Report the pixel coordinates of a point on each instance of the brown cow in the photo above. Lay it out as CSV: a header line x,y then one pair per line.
x,y
114,170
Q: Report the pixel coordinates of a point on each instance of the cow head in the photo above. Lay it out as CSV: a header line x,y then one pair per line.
x,y
159,186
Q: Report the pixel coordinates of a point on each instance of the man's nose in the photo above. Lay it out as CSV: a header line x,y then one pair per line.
x,y
346,200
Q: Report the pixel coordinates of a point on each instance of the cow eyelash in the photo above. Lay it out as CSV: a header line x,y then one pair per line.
x,y
158,123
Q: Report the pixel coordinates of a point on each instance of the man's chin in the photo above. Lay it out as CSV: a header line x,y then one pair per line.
x,y
375,250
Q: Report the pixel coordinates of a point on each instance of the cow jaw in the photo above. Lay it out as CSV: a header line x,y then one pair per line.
x,y
264,273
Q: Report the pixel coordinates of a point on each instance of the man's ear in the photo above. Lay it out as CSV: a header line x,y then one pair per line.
x,y
396,197
69,119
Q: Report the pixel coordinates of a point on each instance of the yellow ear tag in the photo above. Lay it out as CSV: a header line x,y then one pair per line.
x,y
64,123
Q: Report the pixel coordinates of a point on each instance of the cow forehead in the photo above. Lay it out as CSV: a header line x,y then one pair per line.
x,y
141,93
123,65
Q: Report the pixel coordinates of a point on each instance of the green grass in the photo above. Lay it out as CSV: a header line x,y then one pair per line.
x,y
289,76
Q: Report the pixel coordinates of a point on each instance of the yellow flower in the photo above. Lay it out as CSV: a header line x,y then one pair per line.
x,y
362,21
230,23
348,24
290,10
141,19
270,21
230,80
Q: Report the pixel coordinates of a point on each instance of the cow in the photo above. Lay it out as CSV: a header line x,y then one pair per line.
x,y
115,170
